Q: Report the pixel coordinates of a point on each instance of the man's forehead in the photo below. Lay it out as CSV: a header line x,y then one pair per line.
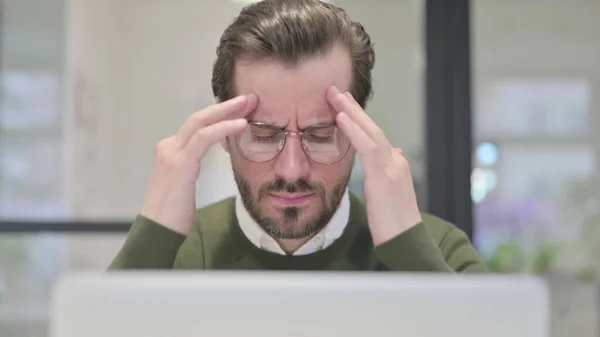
x,y
294,94
283,111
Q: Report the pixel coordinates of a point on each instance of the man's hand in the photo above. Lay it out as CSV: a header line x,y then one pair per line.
x,y
391,201
171,194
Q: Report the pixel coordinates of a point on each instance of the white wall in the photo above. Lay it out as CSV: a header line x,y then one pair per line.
x,y
92,101
532,36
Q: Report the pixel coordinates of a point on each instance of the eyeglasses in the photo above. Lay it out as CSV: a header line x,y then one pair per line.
x,y
323,144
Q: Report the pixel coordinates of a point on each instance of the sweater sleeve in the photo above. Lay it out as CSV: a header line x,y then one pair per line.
x,y
416,250
148,246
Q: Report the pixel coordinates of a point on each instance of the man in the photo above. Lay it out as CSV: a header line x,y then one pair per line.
x,y
291,80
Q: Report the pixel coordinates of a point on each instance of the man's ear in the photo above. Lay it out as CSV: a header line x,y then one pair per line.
x,y
217,99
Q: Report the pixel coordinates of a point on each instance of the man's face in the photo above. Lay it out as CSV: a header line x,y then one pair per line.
x,y
292,196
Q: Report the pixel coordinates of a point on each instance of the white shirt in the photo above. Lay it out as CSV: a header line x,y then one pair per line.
x,y
332,231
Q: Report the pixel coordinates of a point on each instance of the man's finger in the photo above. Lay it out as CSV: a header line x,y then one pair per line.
x,y
358,137
345,102
234,108
205,137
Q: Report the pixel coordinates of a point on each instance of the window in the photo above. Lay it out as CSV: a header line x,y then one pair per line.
x,y
536,121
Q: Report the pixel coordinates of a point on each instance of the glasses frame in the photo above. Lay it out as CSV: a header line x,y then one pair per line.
x,y
291,134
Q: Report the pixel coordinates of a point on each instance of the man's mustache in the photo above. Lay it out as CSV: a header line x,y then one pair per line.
x,y
280,185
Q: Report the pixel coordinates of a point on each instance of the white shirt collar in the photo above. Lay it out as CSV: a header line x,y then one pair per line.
x,y
332,231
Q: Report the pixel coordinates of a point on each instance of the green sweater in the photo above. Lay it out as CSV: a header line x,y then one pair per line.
x,y
217,242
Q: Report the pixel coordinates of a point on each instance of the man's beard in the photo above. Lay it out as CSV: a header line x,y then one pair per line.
x,y
293,225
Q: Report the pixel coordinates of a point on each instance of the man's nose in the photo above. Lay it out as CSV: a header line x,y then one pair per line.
x,y
292,163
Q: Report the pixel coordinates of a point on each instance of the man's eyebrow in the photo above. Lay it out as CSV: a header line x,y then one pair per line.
x,y
268,124
320,123
275,126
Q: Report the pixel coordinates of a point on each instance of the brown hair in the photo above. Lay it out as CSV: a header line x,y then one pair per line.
x,y
293,30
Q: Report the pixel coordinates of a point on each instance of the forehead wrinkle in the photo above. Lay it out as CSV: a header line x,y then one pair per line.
x,y
265,115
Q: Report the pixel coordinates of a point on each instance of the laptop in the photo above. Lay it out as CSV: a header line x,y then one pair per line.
x,y
294,304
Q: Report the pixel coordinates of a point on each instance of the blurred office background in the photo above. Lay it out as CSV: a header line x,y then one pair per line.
x,y
87,87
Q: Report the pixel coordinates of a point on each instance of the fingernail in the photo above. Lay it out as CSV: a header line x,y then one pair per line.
x,y
251,100
240,122
334,90
342,116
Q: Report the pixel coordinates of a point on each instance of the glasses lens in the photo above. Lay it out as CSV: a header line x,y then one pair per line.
x,y
325,144
322,144
260,143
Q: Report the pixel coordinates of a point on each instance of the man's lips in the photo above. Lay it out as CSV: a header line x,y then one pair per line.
x,y
291,199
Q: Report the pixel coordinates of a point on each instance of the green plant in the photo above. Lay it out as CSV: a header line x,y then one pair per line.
x,y
513,258
507,258
544,259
